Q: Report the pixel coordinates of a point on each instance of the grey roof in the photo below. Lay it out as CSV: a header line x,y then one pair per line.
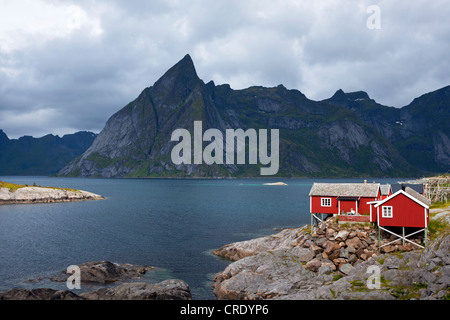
x,y
418,196
384,189
418,187
345,189
412,193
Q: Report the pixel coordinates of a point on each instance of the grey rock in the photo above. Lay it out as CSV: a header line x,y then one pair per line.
x,y
104,272
279,274
341,235
307,257
172,289
369,295
324,269
268,274
239,250
39,294
313,265
346,268
44,195
343,253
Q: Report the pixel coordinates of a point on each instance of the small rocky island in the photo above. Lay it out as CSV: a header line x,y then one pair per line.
x,y
106,273
11,193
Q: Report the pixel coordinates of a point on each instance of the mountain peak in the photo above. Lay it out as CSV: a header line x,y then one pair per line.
x,y
358,95
180,78
187,59
3,137
339,96
185,67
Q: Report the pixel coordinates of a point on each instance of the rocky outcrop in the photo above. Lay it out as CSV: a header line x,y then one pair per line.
x,y
44,195
172,289
104,272
166,290
239,250
39,294
334,263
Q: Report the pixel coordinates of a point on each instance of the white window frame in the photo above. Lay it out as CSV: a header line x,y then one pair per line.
x,y
387,211
325,202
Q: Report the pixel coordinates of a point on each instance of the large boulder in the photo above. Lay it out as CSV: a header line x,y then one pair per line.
x,y
265,275
172,289
242,249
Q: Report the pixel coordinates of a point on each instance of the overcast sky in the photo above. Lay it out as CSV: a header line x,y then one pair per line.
x,y
67,66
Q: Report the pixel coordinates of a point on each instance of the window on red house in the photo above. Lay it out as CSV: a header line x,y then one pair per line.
x,y
326,202
387,211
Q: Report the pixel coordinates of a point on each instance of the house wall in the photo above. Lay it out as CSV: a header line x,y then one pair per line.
x,y
405,213
316,206
364,208
373,213
347,205
344,205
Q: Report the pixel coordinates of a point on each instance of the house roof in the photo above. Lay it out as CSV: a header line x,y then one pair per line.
x,y
418,196
418,187
345,189
384,189
410,193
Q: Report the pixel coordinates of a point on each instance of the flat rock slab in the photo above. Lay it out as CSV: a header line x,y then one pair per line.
x,y
172,289
44,195
242,249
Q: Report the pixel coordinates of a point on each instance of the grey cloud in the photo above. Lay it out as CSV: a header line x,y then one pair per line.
x,y
315,47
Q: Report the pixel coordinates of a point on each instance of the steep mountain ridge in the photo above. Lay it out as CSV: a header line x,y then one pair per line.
x,y
41,156
348,134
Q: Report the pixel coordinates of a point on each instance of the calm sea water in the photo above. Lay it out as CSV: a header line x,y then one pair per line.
x,y
167,223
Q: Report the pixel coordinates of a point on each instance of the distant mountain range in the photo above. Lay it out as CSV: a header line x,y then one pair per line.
x,y
347,135
41,156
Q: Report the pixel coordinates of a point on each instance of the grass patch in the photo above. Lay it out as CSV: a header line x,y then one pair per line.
x,y
333,293
359,286
14,187
440,205
11,186
436,227
337,277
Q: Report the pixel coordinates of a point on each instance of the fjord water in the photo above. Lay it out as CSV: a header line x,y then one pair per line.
x,y
172,224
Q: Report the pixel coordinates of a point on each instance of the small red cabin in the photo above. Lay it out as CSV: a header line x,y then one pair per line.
x,y
405,208
342,198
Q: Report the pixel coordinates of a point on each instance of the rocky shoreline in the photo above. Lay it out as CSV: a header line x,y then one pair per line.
x,y
333,263
102,273
44,195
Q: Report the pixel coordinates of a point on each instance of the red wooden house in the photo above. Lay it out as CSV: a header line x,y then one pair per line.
x,y
342,198
405,208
